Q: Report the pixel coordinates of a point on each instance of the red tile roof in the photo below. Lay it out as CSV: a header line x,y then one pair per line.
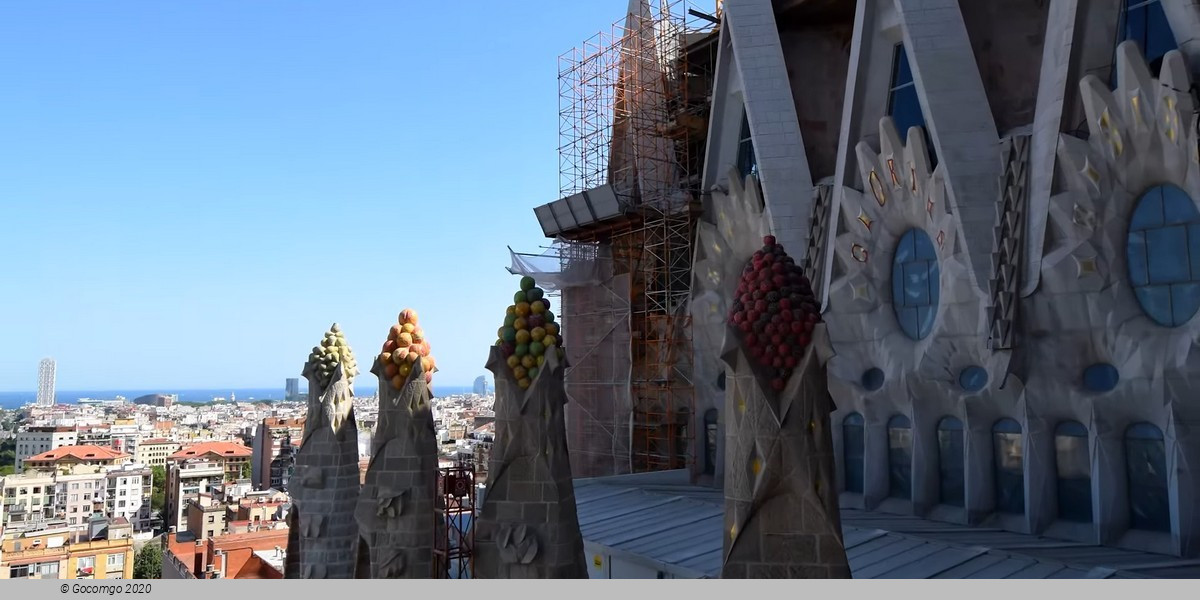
x,y
157,441
222,449
284,421
78,453
239,553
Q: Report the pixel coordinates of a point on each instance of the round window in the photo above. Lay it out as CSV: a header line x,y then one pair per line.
x,y
1163,252
915,284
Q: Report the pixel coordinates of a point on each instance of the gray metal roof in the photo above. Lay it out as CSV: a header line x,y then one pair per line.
x,y
678,527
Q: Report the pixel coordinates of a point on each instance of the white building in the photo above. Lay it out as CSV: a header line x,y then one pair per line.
x,y
46,377
80,493
26,498
188,479
129,488
36,440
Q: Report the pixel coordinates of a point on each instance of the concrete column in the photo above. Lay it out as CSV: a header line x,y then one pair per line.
x,y
959,120
778,146
1054,87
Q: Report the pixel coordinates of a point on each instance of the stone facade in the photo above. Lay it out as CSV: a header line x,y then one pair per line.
x,y
528,527
781,511
323,535
781,502
398,513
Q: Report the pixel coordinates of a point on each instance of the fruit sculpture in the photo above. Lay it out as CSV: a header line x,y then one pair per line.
x,y
405,345
325,358
774,313
529,331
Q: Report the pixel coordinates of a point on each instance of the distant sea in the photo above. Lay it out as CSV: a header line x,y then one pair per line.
x,y
10,400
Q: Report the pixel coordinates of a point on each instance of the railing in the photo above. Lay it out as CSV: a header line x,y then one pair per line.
x,y
28,553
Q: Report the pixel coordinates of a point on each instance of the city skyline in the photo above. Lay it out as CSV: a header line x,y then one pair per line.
x,y
217,206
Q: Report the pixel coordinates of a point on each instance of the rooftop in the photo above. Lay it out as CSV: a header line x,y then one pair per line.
x,y
223,449
284,422
660,519
85,452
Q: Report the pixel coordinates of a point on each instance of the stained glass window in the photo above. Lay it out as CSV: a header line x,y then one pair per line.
x,y
1145,22
951,459
1073,463
1146,469
746,161
915,284
903,104
1163,252
1009,454
900,449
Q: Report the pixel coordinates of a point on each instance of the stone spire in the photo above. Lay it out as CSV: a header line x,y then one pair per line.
x,y
528,527
398,510
781,502
323,534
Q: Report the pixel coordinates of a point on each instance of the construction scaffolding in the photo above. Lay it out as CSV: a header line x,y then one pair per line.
x,y
633,116
453,550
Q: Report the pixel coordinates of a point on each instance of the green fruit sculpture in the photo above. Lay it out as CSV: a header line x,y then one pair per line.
x,y
529,331
332,351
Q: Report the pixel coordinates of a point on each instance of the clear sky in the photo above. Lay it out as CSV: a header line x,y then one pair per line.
x,y
192,192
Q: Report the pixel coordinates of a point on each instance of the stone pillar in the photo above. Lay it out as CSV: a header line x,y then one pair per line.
x,y
528,527
781,504
398,511
325,486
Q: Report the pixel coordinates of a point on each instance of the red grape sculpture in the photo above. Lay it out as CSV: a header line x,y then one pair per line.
x,y
774,313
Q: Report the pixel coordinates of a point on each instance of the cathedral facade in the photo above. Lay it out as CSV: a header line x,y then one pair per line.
x,y
997,202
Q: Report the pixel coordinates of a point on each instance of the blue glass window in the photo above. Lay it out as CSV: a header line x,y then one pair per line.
x,y
903,104
1073,463
915,284
1144,22
900,450
746,161
853,452
1146,469
1163,252
872,379
951,457
973,378
1009,454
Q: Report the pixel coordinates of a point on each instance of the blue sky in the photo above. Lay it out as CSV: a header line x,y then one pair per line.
x,y
192,192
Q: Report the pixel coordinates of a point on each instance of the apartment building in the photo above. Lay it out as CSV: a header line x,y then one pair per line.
x,y
103,551
37,440
26,498
66,457
232,457
128,491
153,452
188,479
272,449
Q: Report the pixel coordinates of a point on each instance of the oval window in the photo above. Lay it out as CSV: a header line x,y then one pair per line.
x,y
915,284
1163,252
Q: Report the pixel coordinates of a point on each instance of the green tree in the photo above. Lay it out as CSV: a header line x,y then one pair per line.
x,y
148,562
245,471
158,494
8,456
